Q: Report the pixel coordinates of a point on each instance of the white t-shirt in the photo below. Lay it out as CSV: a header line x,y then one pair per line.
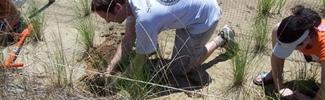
x,y
154,16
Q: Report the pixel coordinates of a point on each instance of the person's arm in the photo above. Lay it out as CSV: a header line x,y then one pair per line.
x,y
125,46
321,92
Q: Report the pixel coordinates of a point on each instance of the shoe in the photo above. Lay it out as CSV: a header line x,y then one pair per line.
x,y
227,33
263,80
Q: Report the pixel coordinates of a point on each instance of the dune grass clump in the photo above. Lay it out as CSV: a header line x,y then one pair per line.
x,y
82,8
240,58
264,7
86,29
240,63
260,33
133,85
260,25
37,21
134,89
84,24
57,68
279,5
306,78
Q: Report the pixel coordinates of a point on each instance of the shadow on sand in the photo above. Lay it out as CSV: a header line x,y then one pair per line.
x,y
186,83
307,87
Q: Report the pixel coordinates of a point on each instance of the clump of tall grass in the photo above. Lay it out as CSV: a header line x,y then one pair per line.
x,y
279,5
306,78
136,90
260,31
264,7
82,8
240,58
57,68
37,21
85,26
132,88
240,63
86,29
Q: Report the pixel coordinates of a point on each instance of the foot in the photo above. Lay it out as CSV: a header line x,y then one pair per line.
x,y
263,78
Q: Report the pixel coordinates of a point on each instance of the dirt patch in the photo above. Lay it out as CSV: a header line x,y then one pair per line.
x,y
96,62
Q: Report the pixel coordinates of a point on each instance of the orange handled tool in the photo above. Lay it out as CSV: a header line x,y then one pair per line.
x,y
9,62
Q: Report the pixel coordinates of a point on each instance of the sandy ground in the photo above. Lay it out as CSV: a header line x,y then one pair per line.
x,y
237,13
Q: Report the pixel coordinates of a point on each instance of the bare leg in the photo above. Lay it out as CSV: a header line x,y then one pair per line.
x,y
226,34
210,47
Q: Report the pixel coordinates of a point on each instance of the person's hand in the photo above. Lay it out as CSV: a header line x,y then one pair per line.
x,y
111,69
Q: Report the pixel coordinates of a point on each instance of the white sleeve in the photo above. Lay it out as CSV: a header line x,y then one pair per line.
x,y
146,37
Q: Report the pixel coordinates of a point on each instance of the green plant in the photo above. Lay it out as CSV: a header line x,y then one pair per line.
x,y
239,64
58,63
82,8
133,89
306,77
231,50
279,5
86,28
264,7
240,58
260,31
37,22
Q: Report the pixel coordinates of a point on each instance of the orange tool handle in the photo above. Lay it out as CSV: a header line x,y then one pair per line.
x,y
14,65
15,52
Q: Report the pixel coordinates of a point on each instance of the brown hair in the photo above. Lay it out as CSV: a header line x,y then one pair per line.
x,y
105,5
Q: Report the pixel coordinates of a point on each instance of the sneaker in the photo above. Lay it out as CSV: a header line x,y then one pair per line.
x,y
228,34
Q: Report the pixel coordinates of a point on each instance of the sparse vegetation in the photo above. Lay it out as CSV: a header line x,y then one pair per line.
x,y
240,61
306,77
260,31
57,68
279,5
86,28
82,8
84,24
264,7
56,59
37,21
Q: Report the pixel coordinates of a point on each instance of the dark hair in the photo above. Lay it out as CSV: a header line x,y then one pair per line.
x,y
293,26
105,5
